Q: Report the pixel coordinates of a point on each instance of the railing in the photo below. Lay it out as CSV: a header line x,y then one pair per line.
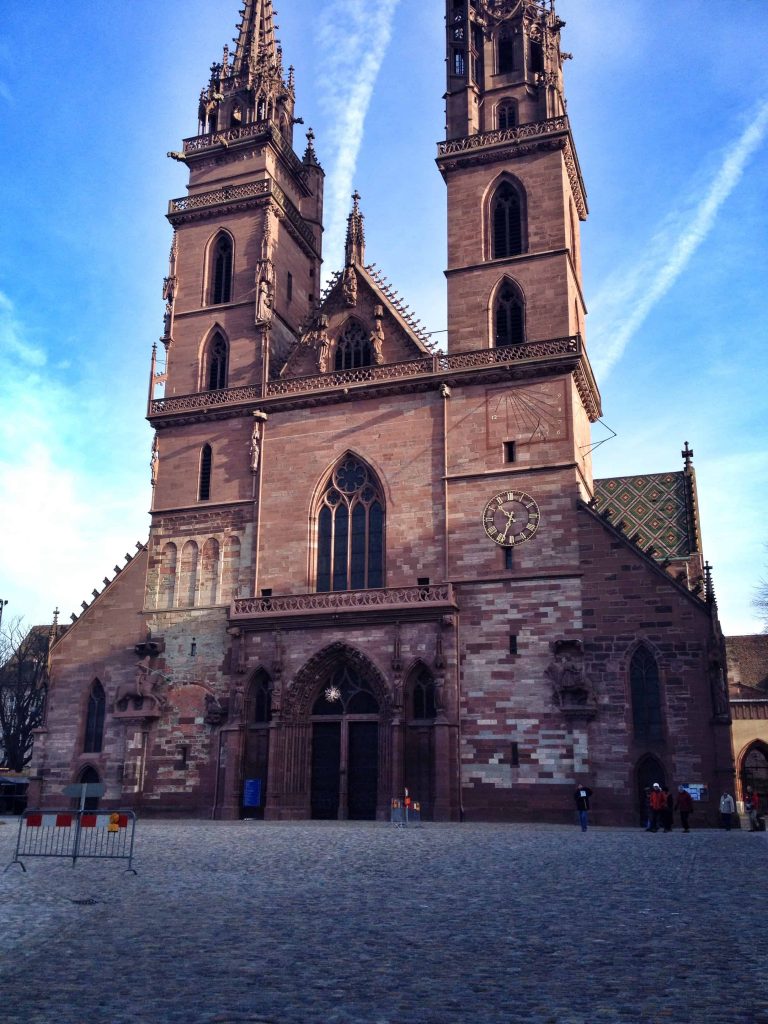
x,y
438,363
493,138
439,594
229,193
200,143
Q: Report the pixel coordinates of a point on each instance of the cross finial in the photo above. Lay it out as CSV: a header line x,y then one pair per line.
x,y
687,454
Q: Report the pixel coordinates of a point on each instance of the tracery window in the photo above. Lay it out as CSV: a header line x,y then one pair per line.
x,y
353,348
217,353
509,317
94,720
424,695
506,114
506,222
221,270
646,695
346,693
350,529
260,696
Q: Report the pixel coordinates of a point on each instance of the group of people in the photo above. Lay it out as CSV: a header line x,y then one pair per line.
x,y
660,807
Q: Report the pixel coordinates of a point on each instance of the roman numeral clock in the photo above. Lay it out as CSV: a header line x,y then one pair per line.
x,y
510,518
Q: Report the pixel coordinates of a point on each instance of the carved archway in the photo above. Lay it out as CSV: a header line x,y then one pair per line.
x,y
299,697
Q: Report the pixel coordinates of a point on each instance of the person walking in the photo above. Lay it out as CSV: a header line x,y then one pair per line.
x,y
727,807
752,807
684,807
658,802
668,817
581,798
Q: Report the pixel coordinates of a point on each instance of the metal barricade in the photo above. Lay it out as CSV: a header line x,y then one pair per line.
x,y
397,814
405,812
96,835
413,813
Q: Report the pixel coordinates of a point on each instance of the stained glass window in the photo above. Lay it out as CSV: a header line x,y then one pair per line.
x,y
350,548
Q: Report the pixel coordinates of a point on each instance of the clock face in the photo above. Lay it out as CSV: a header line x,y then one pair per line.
x,y
511,517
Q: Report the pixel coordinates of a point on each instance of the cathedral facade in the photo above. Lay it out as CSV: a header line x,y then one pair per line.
x,y
375,566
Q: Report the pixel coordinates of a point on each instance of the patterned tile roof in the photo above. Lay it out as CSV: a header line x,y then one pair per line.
x,y
657,506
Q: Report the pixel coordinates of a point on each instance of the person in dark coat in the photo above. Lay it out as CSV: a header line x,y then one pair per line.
x,y
581,798
684,807
668,815
658,802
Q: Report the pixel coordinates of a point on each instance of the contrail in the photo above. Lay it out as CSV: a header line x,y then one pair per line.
x,y
349,75
651,280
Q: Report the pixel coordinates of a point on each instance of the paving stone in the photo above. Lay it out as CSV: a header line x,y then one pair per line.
x,y
310,923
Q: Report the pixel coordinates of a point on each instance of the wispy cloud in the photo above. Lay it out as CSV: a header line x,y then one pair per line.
x,y
349,75
627,298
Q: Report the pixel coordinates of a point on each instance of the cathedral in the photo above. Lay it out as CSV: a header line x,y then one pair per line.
x,y
376,567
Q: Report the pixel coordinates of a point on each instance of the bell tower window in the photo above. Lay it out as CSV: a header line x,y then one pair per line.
x,y
206,465
509,317
506,52
221,270
350,528
353,348
506,222
216,377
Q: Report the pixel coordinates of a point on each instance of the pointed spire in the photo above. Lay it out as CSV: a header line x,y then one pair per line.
x,y
310,156
256,36
354,251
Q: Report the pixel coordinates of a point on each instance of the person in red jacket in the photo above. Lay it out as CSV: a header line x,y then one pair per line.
x,y
684,806
658,802
752,807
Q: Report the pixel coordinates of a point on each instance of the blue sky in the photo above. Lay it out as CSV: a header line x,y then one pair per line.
x,y
669,109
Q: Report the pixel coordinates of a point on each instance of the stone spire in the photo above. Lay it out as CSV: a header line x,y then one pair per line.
x,y
354,251
256,43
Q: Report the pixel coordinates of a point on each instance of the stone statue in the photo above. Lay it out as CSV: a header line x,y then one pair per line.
x,y
377,336
349,286
154,460
146,684
572,691
255,445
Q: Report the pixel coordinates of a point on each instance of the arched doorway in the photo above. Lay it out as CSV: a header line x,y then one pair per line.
x,y
754,771
649,770
345,748
257,714
87,774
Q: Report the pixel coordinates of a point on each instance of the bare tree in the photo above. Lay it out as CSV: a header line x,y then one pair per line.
x,y
23,689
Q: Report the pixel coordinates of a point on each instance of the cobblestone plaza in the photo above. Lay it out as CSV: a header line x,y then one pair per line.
x,y
327,923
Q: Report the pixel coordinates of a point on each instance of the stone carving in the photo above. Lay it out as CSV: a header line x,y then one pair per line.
x,y
254,449
572,691
349,286
154,460
377,335
719,689
264,292
147,685
215,710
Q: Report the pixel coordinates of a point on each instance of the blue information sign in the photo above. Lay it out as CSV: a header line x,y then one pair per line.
x,y
252,793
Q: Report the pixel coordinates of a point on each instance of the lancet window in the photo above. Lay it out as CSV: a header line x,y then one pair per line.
x,y
509,316
221,270
506,222
94,719
353,348
206,468
217,353
505,49
350,525
506,114
646,695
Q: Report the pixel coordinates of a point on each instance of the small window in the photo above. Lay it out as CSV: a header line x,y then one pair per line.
x,y
506,114
512,643
506,52
458,63
206,465
509,451
509,562
217,363
353,348
289,287
514,754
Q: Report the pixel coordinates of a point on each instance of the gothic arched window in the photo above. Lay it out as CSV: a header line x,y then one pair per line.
x,y
350,529
260,697
508,317
424,695
353,348
216,363
506,222
206,467
506,52
94,719
646,695
506,114
221,270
